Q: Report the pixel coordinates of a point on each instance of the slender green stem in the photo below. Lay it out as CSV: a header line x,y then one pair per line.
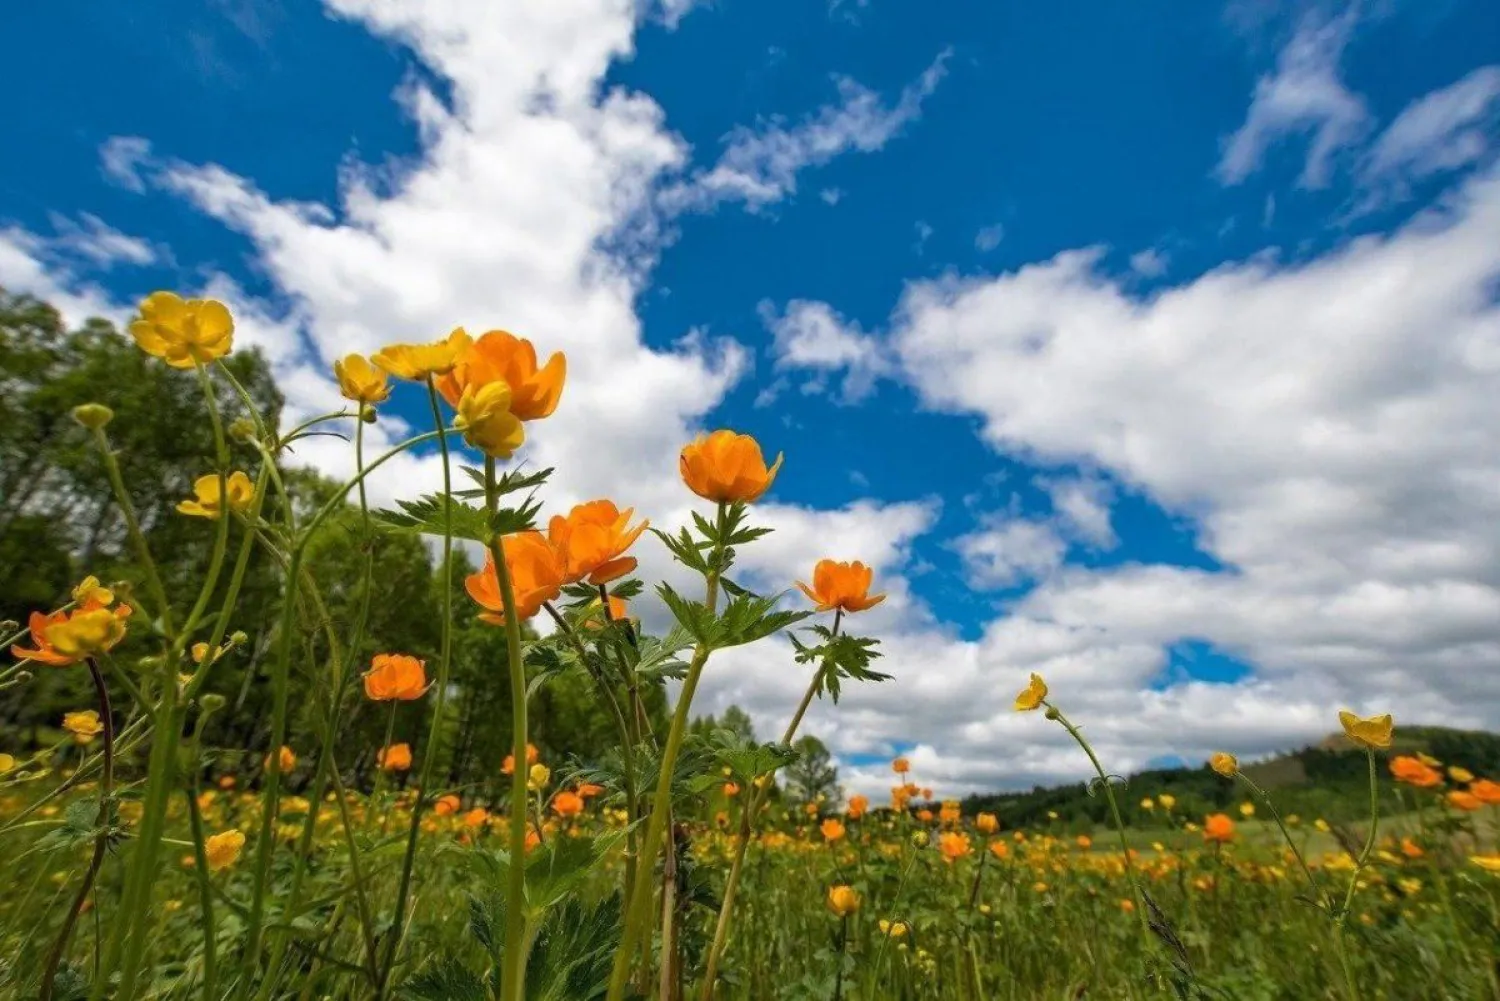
x,y
638,909
1265,798
133,531
205,894
513,962
432,750
101,839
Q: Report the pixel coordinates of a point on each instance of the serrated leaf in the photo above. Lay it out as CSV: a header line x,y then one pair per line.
x,y
428,516
449,980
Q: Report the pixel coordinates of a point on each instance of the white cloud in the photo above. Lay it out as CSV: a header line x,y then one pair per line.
x,y
1010,551
1149,263
1441,131
810,335
1082,505
120,158
831,196
1304,95
988,238
760,165
102,245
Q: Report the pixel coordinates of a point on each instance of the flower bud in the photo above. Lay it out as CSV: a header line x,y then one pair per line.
x,y
9,626
239,638
367,414
1051,714
242,429
93,415
211,702
921,839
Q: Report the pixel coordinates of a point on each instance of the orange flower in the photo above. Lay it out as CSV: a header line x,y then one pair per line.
x,y
1000,849
396,758
1411,849
592,540
949,812
831,829
447,806
731,789
727,467
953,846
1486,791
845,586
843,901
987,823
1085,842
900,766
498,356
619,611
589,790
476,817
1466,801
537,575
1218,827
63,638
395,677
285,758
567,804
857,807
509,765
925,816
1414,772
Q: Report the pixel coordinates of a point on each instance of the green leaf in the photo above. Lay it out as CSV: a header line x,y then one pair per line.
x,y
449,980
694,616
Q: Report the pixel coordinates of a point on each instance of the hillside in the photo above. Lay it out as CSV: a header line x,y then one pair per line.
x,y
1326,780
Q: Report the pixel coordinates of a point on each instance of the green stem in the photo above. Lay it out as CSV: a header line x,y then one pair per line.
x,y
637,915
432,750
205,894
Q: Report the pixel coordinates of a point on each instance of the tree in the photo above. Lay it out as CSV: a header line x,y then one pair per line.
x,y
812,777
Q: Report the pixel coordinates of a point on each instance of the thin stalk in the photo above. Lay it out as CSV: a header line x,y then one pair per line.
x,y
638,910
205,895
101,839
430,752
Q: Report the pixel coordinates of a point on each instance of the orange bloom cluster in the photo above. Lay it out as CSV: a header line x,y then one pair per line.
x,y
1415,772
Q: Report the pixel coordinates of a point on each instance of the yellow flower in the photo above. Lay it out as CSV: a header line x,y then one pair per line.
x,y
84,725
418,362
223,849
1460,775
1247,810
499,356
7,764
86,634
361,381
485,419
207,503
1031,697
183,332
1148,803
1321,825
1489,863
894,929
1166,801
843,901
1225,764
1373,732
90,591
537,777
987,823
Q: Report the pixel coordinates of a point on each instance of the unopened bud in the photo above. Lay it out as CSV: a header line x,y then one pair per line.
x,y
1051,714
211,702
93,415
921,839
9,626
367,414
242,429
238,637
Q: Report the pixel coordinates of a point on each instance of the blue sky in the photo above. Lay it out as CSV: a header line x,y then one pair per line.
x,y
1131,342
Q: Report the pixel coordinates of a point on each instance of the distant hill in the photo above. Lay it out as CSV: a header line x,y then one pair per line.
x,y
1326,780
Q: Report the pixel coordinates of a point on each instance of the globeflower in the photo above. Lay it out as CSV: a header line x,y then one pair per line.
x,y
485,418
1225,764
831,829
501,357
1218,828
843,901
447,805
395,677
206,502
418,362
901,766
508,767
953,845
223,849
592,540
1414,772
1462,800
84,725
284,757
857,806
396,758
567,804
361,381
183,333
842,586
986,823
727,468
1373,733
1032,695
1487,791
87,632
537,574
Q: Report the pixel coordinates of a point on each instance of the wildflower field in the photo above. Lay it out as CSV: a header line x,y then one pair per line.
x,y
237,789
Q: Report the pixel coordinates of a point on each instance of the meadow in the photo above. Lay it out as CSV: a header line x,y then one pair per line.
x,y
234,785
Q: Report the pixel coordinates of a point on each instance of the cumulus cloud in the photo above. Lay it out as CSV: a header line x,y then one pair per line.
x,y
759,166
1304,95
810,335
